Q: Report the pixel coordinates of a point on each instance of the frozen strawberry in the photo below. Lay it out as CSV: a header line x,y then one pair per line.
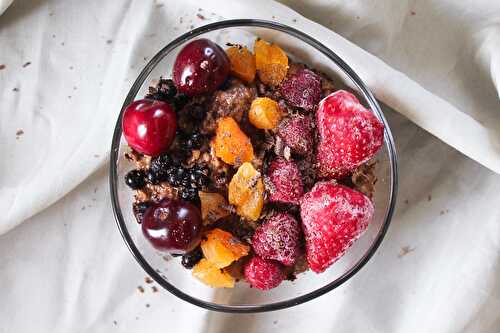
x,y
296,132
349,134
263,274
285,182
302,89
278,239
333,217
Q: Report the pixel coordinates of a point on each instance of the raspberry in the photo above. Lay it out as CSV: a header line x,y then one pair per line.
x,y
302,89
349,134
296,133
286,182
263,274
278,239
333,217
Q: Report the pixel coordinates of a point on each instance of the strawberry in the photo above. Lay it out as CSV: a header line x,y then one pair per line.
x,y
333,217
263,274
278,238
285,182
349,134
296,133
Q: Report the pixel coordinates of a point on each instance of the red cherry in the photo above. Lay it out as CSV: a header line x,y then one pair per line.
x,y
149,126
200,67
172,226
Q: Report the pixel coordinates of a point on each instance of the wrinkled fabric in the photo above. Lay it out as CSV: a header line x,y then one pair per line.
x,y
68,66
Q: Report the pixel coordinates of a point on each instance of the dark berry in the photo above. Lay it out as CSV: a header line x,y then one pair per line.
x,y
198,177
191,258
173,226
135,179
188,194
161,163
193,141
153,177
139,208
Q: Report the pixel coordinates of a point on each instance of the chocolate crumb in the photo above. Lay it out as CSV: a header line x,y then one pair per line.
x,y
19,132
53,36
62,44
96,155
109,41
26,64
83,208
154,289
413,13
51,14
115,322
275,322
405,250
71,67
159,5
15,89
199,9
429,198
406,202
357,17
294,20
74,88
2,67
141,289
201,17
191,26
69,97
147,305
147,279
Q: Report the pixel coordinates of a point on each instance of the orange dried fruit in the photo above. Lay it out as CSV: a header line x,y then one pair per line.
x,y
221,248
213,206
264,113
271,62
231,144
242,63
212,276
246,192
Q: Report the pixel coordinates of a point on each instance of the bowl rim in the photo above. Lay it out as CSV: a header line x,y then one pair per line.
x,y
114,158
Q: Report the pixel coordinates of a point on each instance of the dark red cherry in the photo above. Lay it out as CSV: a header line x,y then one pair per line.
x,y
200,67
149,126
172,226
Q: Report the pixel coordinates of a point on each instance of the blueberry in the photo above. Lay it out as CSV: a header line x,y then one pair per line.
x,y
152,177
160,163
191,258
188,194
198,177
135,179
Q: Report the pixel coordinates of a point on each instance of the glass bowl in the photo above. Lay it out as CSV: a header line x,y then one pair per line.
x,y
167,270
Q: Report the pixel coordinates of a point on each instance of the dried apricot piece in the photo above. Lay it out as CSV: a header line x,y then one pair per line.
x,y
213,206
271,62
246,192
221,248
264,113
231,144
212,276
242,63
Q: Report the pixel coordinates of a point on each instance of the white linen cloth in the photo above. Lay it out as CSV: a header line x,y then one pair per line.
x,y
67,67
